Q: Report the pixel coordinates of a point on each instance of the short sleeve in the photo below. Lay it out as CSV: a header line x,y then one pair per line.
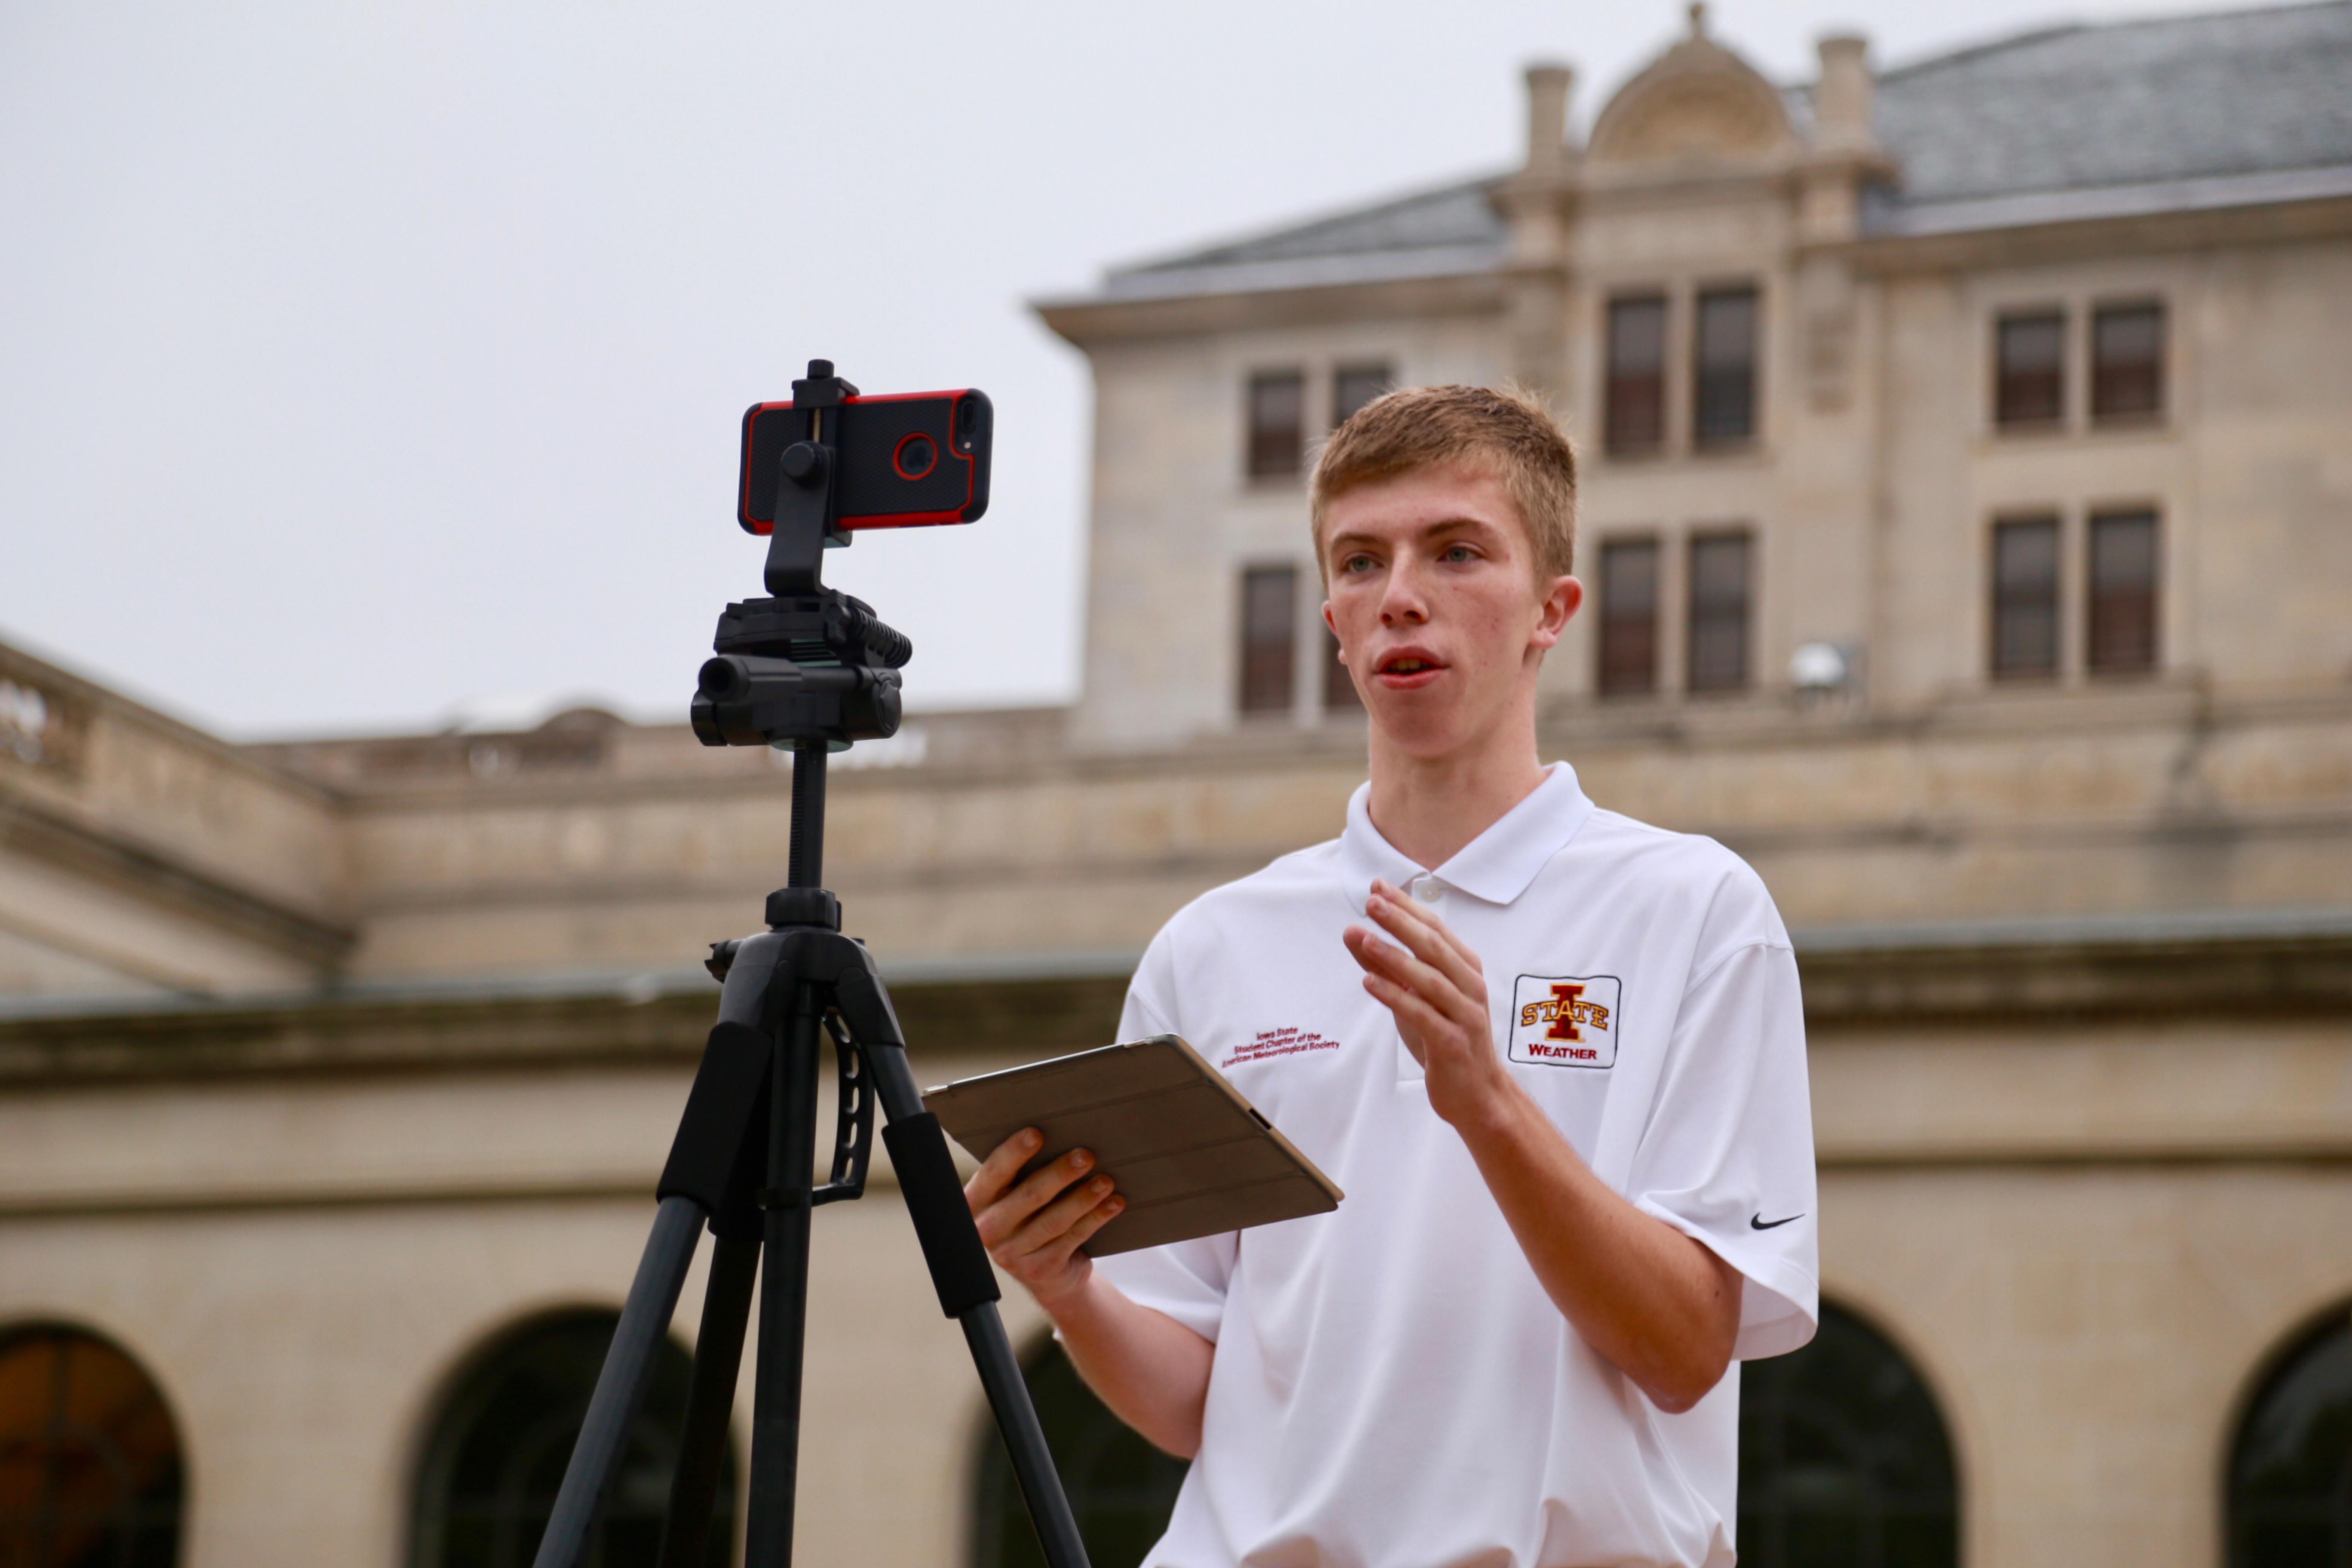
x,y
1727,1154
1187,1280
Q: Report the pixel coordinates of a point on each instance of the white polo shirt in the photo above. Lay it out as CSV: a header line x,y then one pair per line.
x,y
1392,1385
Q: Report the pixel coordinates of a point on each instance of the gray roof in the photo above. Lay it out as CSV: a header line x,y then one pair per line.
x,y
1439,219
1451,229
2172,112
2126,103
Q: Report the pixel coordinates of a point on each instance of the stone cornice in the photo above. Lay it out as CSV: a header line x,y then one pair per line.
x,y
30,828
1567,726
432,1031
2035,235
2281,963
1213,308
2016,972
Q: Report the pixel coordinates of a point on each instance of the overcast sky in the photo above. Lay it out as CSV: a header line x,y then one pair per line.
x,y
358,361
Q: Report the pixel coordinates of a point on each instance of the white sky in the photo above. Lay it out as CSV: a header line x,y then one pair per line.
x,y
358,360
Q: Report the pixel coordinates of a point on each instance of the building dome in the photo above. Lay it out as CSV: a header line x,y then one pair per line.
x,y
1697,104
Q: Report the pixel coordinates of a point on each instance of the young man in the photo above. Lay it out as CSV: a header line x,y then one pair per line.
x,y
1554,1056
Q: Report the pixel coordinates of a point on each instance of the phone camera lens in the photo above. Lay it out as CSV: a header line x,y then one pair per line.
x,y
915,458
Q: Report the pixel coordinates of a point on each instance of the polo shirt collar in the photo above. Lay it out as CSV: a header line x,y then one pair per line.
x,y
1496,867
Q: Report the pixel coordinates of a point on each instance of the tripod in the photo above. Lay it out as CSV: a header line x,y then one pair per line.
x,y
811,668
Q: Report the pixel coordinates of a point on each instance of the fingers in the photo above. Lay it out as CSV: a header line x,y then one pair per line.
x,y
1033,1225
1429,938
996,1171
1417,1020
1062,1226
998,1221
1394,997
1093,1220
1431,983
1460,1000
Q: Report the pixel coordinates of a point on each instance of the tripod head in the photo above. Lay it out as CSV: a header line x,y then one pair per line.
x,y
810,665
811,668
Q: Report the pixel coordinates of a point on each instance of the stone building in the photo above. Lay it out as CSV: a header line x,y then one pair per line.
x,y
1967,517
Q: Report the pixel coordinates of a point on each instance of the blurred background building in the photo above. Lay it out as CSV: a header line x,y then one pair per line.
x,y
1967,517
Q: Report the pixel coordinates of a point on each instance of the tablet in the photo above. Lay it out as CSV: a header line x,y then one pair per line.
x,y
1191,1157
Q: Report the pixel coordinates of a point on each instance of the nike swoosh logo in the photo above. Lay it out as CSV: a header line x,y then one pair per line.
x,y
1759,1222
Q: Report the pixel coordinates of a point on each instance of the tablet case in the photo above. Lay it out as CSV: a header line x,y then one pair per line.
x,y
1189,1153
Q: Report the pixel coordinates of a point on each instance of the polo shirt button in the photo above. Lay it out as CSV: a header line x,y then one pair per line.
x,y
1428,889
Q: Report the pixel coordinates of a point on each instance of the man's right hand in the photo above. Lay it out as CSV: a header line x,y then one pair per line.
x,y
1033,1227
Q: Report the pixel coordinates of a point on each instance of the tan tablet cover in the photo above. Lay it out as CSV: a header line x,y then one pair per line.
x,y
1190,1154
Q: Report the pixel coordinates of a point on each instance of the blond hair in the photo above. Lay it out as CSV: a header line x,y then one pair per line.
x,y
1506,433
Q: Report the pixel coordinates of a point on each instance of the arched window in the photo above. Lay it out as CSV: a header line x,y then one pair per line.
x,y
91,1474
1844,1460
497,1452
2291,1469
1120,1487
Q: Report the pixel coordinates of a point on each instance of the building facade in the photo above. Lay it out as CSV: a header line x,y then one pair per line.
x,y
1967,520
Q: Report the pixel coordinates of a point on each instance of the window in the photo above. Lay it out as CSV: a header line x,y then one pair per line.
x,y
497,1450
2126,363
1635,418
1278,424
1628,616
1121,1488
1353,385
2030,378
2291,1469
1719,566
1339,693
1843,1458
1724,368
91,1470
2122,620
2025,597
1269,638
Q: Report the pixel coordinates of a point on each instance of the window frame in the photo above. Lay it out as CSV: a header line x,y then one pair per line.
x,y
1698,619
2019,519
1120,1489
141,1445
1337,696
1701,441
1380,372
1253,666
1608,615
1615,441
497,1377
2289,1360
1274,453
2005,423
2103,376
1904,1476
2099,603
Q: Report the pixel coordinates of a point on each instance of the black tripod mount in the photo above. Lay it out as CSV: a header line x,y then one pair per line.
x,y
814,670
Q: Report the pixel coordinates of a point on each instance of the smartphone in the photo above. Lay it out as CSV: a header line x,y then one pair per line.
x,y
906,459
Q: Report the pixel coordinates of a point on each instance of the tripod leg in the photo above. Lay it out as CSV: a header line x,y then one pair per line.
x,y
783,1291
718,1358
1024,1440
968,1293
621,1386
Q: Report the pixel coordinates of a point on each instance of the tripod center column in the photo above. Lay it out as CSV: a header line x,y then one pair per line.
x,y
806,867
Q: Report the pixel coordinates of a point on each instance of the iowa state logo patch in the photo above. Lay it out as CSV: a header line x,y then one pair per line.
x,y
1565,1022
